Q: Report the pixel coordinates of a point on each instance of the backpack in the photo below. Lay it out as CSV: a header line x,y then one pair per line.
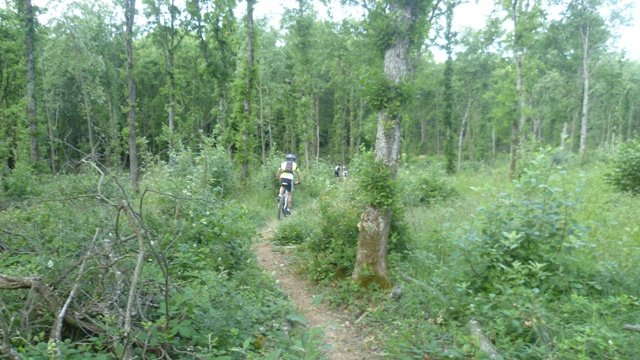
x,y
289,166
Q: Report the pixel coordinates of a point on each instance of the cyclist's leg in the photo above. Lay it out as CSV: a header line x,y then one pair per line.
x,y
289,191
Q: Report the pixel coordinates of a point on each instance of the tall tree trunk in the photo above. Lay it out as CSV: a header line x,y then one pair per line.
x,y
30,62
172,107
129,13
263,145
585,91
574,120
463,125
563,136
50,127
517,139
246,127
493,143
448,96
375,223
316,112
86,102
514,151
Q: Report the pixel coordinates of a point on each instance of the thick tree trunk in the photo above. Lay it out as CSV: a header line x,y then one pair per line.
x,y
130,9
29,48
375,223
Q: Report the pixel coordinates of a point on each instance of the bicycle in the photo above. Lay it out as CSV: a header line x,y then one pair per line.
x,y
283,196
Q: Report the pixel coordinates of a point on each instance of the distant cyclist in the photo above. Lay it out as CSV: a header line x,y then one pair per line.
x,y
288,173
337,171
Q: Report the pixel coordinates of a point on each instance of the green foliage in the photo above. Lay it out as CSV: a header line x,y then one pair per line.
x,y
20,182
424,186
201,292
292,232
375,183
526,237
332,246
625,170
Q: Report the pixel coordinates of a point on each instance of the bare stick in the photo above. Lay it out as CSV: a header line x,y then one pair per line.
x,y
134,279
631,327
57,326
6,351
486,345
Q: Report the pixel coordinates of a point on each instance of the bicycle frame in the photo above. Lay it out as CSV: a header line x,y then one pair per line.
x,y
283,195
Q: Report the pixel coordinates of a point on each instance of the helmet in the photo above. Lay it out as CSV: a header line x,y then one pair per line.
x,y
290,157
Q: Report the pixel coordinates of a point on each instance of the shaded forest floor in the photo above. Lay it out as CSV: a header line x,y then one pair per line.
x,y
344,337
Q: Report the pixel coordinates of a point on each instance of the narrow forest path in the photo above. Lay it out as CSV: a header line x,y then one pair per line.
x,y
345,338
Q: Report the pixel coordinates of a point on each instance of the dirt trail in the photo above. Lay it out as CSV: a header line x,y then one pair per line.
x,y
344,337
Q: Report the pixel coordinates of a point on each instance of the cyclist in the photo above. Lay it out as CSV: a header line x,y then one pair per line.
x,y
288,173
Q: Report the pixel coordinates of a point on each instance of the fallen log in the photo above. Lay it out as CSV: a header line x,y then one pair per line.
x,y
631,327
486,345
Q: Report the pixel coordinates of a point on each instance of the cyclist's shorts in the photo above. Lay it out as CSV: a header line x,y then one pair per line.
x,y
289,183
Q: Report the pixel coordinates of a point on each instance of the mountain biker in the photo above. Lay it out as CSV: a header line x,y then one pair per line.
x,y
288,173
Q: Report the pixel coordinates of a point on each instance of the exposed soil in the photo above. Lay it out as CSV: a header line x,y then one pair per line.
x,y
343,334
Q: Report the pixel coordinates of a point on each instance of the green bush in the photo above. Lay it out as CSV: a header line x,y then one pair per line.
x,y
525,238
625,172
332,246
294,231
424,186
21,181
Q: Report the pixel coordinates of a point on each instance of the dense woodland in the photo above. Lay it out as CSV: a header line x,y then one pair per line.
x,y
311,86
139,144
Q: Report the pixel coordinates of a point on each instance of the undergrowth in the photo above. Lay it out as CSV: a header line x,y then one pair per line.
x,y
544,264
200,293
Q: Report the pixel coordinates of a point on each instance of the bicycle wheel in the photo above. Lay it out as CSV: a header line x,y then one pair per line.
x,y
281,206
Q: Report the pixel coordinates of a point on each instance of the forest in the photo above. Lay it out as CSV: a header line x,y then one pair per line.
x,y
489,212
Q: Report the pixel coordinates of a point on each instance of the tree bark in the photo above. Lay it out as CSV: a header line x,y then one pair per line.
x,y
517,139
29,48
585,91
375,223
130,9
461,133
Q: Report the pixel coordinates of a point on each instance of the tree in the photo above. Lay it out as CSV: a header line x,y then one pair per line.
x,y
243,122
399,26
12,83
29,21
584,17
165,16
129,14
448,93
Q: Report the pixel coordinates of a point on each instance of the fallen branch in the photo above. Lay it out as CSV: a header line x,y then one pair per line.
x,y
6,351
134,280
33,282
631,327
57,325
486,345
